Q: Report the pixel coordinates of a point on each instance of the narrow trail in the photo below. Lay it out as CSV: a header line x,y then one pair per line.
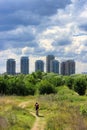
x,y
39,123
40,120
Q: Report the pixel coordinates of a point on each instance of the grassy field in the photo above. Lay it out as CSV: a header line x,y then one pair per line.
x,y
65,110
13,116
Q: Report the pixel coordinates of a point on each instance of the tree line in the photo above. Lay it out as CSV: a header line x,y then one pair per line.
x,y
42,83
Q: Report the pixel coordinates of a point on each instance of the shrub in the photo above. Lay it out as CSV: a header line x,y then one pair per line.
x,y
45,87
69,82
31,90
83,110
80,85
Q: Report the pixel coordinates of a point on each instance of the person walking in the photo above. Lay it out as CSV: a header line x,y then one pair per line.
x,y
37,108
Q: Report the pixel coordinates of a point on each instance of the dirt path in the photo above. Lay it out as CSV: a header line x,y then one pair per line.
x,y
40,120
39,123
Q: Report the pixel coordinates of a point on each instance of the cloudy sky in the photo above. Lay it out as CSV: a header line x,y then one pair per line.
x,y
37,28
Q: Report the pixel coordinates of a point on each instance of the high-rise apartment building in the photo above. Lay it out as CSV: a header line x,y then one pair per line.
x,y
63,68
24,65
49,58
10,66
54,66
39,65
68,67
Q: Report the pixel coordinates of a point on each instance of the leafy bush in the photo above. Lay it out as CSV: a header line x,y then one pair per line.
x,y
29,88
45,87
47,82
3,85
80,85
69,81
56,80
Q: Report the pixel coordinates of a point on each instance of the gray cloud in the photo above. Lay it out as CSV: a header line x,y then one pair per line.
x,y
40,51
79,6
12,44
46,7
83,27
62,42
27,12
14,14
12,21
6,27
18,38
2,45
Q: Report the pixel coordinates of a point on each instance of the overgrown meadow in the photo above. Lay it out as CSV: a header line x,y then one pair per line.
x,y
62,99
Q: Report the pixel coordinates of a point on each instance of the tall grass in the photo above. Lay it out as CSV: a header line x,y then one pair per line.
x,y
13,117
66,118
65,110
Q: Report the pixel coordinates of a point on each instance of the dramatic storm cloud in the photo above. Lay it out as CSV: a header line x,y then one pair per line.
x,y
37,28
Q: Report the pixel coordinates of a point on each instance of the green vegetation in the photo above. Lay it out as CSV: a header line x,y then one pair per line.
x,y
13,116
43,83
62,99
45,87
64,110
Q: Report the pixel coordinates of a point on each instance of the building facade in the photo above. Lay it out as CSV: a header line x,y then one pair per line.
x,y
49,58
11,67
39,65
68,67
24,65
63,68
54,66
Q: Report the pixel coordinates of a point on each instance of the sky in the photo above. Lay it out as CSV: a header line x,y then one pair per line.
x,y
36,28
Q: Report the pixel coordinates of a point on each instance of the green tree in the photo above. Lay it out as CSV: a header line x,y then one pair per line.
x,y
3,85
11,86
31,79
80,85
69,81
30,89
45,87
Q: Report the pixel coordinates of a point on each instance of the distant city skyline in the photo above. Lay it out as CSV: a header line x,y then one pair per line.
x,y
51,65
32,61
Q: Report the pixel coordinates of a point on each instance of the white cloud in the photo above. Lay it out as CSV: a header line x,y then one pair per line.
x,y
46,43
27,50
